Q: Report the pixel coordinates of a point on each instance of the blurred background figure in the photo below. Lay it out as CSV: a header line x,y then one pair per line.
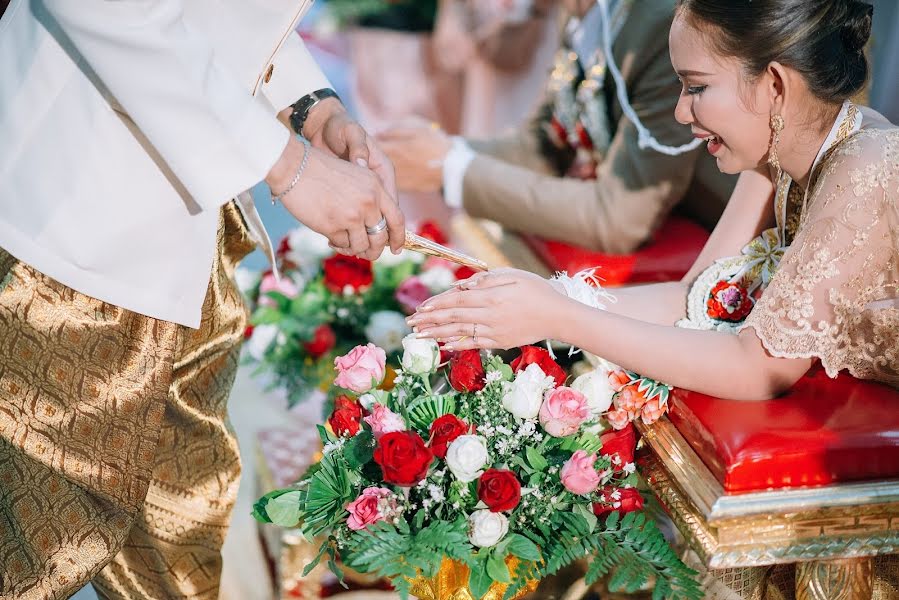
x,y
503,50
577,172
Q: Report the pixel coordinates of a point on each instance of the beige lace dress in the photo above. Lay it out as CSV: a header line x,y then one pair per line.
x,y
833,296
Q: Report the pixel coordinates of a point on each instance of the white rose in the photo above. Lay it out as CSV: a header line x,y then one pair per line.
x,y
420,356
524,396
386,329
247,280
373,397
307,249
389,259
486,528
596,388
438,279
466,457
261,340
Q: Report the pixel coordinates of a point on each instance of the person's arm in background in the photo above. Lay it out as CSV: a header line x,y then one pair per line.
x,y
217,139
634,191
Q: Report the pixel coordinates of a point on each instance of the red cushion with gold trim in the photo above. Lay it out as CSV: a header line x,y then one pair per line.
x,y
667,257
822,431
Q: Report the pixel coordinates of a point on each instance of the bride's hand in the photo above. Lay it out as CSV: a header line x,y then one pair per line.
x,y
505,308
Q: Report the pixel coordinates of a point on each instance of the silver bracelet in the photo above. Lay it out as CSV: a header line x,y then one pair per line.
x,y
296,178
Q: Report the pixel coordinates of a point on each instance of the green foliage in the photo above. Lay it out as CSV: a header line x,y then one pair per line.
x,y
259,507
631,547
359,450
423,411
395,552
328,490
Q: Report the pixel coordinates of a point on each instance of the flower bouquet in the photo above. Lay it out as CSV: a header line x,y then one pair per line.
x,y
474,479
326,303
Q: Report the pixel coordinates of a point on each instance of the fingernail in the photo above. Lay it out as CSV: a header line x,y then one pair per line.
x,y
423,334
425,308
362,162
415,330
448,347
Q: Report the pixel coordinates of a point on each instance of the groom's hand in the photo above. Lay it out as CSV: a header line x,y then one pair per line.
x,y
338,199
330,128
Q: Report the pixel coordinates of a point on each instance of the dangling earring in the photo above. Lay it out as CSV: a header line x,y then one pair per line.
x,y
777,125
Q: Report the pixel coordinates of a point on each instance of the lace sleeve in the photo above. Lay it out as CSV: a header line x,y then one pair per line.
x,y
835,296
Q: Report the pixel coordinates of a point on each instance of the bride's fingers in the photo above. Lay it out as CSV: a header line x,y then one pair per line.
x,y
466,323
487,279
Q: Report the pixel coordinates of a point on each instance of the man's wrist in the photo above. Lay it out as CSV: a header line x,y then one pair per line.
x,y
312,110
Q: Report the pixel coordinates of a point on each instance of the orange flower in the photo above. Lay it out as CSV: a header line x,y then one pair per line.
x,y
630,399
618,379
652,411
618,419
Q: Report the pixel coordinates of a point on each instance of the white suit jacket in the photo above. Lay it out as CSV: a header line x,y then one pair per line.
x,y
126,124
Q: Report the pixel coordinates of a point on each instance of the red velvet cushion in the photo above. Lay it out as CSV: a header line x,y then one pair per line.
x,y
822,431
667,257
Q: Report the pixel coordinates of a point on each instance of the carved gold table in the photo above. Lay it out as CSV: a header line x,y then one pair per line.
x,y
831,531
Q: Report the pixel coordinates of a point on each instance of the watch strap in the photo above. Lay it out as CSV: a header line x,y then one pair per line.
x,y
305,104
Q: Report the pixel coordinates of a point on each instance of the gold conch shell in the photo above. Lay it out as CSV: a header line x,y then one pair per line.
x,y
416,243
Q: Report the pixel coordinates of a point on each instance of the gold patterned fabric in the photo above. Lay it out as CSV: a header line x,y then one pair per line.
x,y
835,296
117,462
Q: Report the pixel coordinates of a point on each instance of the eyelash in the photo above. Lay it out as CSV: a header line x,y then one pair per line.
x,y
696,89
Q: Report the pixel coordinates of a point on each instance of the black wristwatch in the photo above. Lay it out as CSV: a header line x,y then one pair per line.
x,y
302,107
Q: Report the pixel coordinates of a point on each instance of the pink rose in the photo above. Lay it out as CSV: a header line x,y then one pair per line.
x,y
383,420
579,476
411,293
270,284
361,369
564,410
618,419
373,505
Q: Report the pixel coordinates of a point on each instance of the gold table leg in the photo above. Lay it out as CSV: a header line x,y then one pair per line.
x,y
843,579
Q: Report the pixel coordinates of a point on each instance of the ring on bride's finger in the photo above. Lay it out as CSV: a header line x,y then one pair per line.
x,y
474,333
378,228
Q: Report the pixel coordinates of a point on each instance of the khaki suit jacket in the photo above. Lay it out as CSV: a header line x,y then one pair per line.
x,y
512,182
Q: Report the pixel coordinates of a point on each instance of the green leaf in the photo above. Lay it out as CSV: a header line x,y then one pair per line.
x,y
325,435
588,515
523,548
497,569
266,315
423,411
259,512
479,581
284,510
537,461
359,449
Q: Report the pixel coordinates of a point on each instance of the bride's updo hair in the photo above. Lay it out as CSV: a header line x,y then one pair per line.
x,y
824,40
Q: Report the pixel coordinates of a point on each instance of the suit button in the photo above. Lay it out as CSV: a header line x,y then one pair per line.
x,y
268,74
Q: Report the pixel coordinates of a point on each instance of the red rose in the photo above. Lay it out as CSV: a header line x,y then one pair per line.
x,y
729,302
347,416
342,271
432,231
628,501
283,247
499,490
540,357
403,457
619,444
464,272
322,341
248,332
444,430
445,355
466,371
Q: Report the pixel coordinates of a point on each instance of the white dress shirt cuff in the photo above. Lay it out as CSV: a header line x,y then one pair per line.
x,y
294,74
455,164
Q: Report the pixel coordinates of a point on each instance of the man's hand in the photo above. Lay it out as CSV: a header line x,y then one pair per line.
x,y
418,153
338,199
330,128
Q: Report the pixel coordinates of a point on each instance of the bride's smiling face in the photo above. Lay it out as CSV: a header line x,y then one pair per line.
x,y
717,101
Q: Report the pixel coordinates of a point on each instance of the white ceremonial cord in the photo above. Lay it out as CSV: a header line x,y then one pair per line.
x,y
644,137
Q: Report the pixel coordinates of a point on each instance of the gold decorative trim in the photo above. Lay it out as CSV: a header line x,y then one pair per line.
x,y
764,528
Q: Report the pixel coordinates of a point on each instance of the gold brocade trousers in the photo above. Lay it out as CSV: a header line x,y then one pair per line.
x,y
118,464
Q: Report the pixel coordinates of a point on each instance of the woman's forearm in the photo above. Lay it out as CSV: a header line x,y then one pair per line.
x,y
660,303
710,362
